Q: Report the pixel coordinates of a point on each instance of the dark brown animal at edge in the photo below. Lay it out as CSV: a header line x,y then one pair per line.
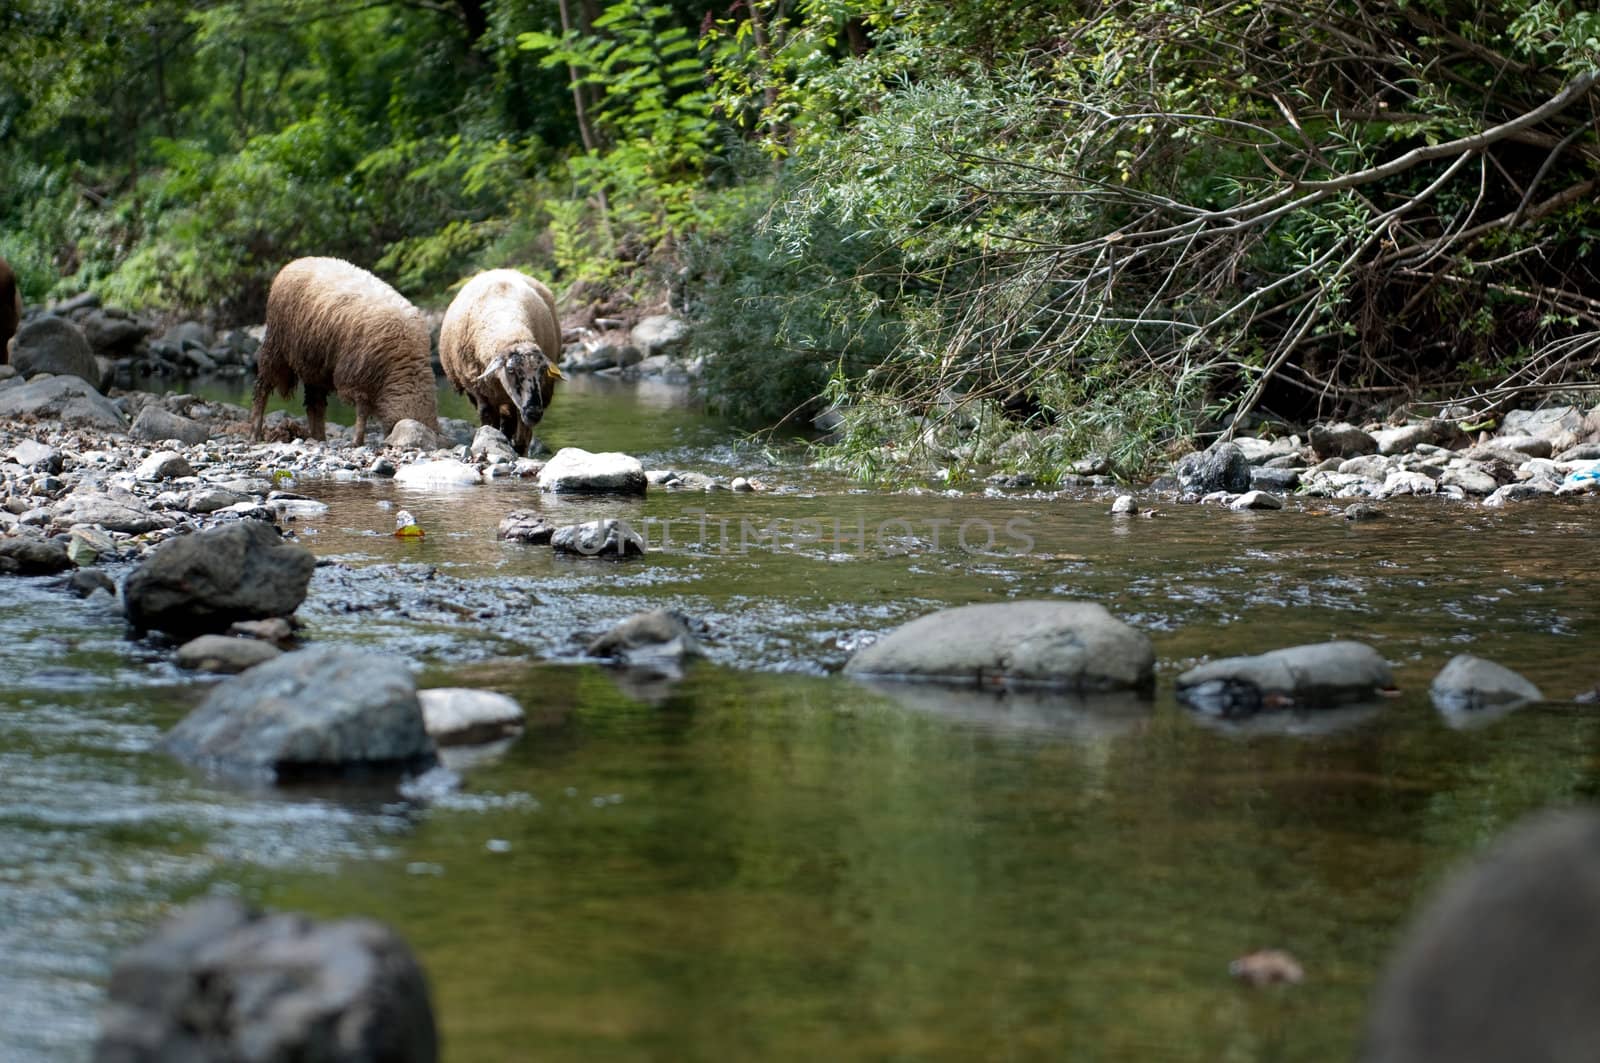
x,y
10,309
333,326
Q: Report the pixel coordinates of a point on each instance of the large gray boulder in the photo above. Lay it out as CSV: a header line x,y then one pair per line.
x,y
1503,964
32,555
1341,441
202,583
220,983
158,425
1071,645
660,334
1321,675
112,332
315,712
56,346
114,509
67,399
576,471
1220,467
1468,684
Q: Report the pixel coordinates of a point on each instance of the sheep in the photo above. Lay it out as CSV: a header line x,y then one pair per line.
x,y
335,327
499,344
10,308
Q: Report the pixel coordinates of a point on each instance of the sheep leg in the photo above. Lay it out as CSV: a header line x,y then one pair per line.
x,y
258,409
522,439
317,411
361,424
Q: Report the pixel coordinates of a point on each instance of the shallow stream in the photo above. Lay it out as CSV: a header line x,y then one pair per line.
x,y
769,861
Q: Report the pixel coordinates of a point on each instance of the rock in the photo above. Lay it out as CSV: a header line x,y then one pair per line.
x,y
1341,441
1361,511
1220,467
1073,645
1544,424
1367,466
381,467
523,527
660,334
318,711
1404,482
1581,452
1500,965
62,398
163,465
56,346
221,653
1264,478
444,473
211,499
659,639
607,351
599,538
1406,438
158,425
1256,500
409,434
456,432
1266,967
28,555
458,716
36,457
111,332
1520,492
275,630
88,543
1125,505
114,510
86,581
190,334
490,444
201,583
1321,675
1531,446
574,471
1469,683
1260,451
218,981
1470,478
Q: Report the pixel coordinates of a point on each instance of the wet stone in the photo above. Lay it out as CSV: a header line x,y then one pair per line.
x,y
201,583
1469,683
599,538
1320,675
463,716
521,527
220,653
29,555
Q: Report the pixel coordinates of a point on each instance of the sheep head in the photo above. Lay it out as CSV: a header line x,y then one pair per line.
x,y
528,377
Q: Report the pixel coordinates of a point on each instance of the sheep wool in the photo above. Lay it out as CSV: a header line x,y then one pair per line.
x,y
332,326
501,345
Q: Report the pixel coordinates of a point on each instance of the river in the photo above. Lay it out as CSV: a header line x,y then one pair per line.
x,y
769,861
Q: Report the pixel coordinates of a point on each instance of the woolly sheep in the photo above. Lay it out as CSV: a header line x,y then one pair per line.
x,y
335,327
500,344
10,308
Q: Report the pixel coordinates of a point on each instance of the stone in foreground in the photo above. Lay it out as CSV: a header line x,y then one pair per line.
x,y
1321,675
1501,965
200,584
28,555
1469,683
459,716
1070,645
575,471
219,981
312,713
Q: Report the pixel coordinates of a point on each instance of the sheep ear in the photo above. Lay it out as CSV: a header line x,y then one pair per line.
x,y
493,367
553,371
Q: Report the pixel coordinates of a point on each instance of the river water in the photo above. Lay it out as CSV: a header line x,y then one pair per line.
x,y
769,861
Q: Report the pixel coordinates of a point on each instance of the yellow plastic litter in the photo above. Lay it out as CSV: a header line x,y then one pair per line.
x,y
405,526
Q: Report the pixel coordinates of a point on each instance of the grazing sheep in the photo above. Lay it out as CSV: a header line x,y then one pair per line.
x,y
500,344
10,308
335,327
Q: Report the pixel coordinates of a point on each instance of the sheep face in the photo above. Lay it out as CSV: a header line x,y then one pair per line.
x,y
528,377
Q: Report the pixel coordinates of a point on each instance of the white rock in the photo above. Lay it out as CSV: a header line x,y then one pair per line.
x,y
461,716
444,473
1256,500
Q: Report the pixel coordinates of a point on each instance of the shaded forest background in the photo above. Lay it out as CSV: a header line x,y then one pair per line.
x,y
983,232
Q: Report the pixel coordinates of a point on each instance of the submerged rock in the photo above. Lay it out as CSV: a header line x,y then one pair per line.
x,y
463,716
218,981
1468,683
1321,675
1500,966
599,538
524,527
318,711
1072,645
575,471
224,654
201,583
